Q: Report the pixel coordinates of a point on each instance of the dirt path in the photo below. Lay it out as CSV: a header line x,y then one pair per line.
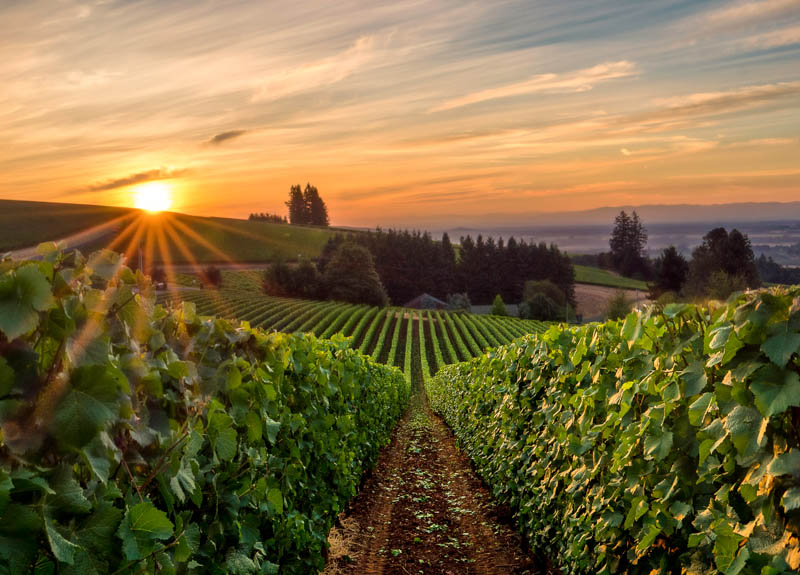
x,y
423,510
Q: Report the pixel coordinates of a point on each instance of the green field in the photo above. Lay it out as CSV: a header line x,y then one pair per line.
x,y
164,238
601,277
390,335
24,224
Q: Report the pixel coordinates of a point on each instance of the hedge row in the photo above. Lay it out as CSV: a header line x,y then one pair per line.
x,y
668,442
139,439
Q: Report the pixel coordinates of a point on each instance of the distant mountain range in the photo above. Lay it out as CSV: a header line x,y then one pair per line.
x,y
654,214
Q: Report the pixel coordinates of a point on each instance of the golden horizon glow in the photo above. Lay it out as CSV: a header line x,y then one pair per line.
x,y
153,197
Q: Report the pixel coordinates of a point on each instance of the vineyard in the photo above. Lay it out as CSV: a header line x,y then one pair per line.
x,y
409,339
666,442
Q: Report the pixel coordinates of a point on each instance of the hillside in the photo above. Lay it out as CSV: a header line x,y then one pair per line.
x,y
164,237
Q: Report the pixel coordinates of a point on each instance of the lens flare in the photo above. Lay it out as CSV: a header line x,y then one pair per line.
x,y
153,197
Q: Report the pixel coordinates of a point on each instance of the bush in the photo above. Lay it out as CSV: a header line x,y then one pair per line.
x,y
664,443
158,275
139,440
350,276
458,302
547,288
498,306
211,276
619,305
722,285
540,307
282,280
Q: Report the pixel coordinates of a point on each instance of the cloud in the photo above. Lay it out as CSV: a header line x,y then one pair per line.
x,y
224,136
776,38
138,178
747,13
625,151
718,103
578,81
321,73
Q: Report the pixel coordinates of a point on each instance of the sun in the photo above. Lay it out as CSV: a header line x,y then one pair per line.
x,y
153,197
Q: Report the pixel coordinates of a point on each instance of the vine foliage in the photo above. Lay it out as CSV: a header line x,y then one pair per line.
x,y
665,442
142,439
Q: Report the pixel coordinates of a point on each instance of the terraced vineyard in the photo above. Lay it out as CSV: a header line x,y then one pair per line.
x,y
416,341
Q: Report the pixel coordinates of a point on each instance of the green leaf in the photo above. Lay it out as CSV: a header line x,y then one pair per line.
x,y
699,407
69,495
63,549
775,390
694,379
658,446
275,496
87,407
225,444
785,464
253,421
188,544
780,347
239,564
791,499
143,526
745,426
23,293
273,427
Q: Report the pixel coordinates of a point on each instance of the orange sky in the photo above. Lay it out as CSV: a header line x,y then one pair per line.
x,y
404,113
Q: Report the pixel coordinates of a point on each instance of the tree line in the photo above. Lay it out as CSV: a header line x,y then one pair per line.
x,y
410,263
306,208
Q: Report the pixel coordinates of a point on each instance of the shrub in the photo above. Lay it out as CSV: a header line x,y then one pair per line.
x,y
664,443
211,276
458,302
619,305
547,288
540,307
498,306
722,285
137,439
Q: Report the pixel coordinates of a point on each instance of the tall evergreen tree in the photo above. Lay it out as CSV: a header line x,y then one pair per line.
x,y
298,210
316,210
628,245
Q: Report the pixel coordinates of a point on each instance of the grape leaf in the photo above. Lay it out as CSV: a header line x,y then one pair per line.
x,y
23,293
775,390
87,407
781,347
143,526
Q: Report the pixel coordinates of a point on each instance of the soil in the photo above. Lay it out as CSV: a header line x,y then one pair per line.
x,y
424,510
593,300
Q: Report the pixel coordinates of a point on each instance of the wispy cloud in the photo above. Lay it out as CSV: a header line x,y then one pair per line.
x,y
325,72
742,13
138,178
775,38
719,103
577,81
225,136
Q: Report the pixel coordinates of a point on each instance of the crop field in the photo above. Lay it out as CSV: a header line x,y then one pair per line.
x,y
601,277
416,341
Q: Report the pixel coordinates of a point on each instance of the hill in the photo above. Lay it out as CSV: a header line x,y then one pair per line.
x,y
163,237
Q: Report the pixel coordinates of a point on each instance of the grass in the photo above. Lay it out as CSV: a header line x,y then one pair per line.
x,y
164,237
24,224
601,277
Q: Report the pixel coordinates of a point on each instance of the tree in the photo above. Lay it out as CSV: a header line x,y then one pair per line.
x,y
211,276
545,301
671,271
350,276
316,210
628,245
498,306
721,251
298,210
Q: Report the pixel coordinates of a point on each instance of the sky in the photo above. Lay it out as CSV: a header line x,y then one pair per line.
x,y
403,113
